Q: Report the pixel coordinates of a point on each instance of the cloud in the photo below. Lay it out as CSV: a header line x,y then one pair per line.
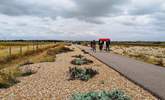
x,y
143,7
82,19
86,10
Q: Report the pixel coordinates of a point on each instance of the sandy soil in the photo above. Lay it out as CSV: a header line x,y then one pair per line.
x,y
51,81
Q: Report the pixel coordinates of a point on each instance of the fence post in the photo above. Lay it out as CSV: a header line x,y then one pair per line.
x,y
27,47
9,51
33,47
21,50
37,47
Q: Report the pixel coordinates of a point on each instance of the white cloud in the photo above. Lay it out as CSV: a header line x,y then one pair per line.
x,y
82,19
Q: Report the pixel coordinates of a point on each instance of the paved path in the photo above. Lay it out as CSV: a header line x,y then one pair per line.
x,y
150,77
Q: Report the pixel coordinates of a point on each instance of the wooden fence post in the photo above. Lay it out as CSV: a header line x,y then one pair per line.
x,y
33,47
27,47
21,50
10,51
37,47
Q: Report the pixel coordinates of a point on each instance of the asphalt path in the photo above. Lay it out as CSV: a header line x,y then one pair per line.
x,y
148,76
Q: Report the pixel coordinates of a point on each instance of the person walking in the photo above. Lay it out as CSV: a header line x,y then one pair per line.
x,y
91,44
107,45
94,45
100,45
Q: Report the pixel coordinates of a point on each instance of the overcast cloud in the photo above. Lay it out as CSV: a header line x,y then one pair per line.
x,y
82,19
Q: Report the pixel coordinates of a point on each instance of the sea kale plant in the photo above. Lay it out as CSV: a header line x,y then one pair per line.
x,y
83,74
81,61
27,71
102,95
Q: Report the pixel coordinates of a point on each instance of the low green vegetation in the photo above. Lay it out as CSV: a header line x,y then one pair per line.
x,y
81,61
61,49
102,95
83,74
78,56
8,77
28,72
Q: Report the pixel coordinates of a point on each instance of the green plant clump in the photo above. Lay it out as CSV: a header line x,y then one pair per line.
x,y
30,72
27,72
82,74
81,61
102,95
78,56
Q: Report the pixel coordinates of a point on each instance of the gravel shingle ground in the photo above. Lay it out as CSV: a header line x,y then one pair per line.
x,y
50,81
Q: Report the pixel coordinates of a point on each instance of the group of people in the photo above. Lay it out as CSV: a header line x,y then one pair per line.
x,y
103,45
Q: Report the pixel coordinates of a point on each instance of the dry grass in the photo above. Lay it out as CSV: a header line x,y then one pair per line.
x,y
11,70
8,77
151,54
17,51
15,57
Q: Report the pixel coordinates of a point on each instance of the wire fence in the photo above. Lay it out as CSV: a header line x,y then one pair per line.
x,y
11,51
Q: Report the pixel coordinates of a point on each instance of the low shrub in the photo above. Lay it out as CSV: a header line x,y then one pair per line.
x,y
8,78
30,72
78,56
28,62
51,51
59,49
102,95
48,59
83,74
84,51
27,71
68,44
65,49
81,61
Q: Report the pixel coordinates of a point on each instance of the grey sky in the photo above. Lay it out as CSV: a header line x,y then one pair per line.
x,y
82,19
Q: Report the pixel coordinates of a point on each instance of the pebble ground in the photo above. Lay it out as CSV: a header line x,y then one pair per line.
x,y
51,81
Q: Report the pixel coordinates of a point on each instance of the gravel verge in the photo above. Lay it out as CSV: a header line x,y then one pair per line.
x,y
51,81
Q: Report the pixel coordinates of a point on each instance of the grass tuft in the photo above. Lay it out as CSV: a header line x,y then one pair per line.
x,y
8,77
81,61
78,56
102,95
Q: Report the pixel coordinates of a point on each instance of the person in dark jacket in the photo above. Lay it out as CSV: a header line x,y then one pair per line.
x,y
91,44
94,45
108,42
101,45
